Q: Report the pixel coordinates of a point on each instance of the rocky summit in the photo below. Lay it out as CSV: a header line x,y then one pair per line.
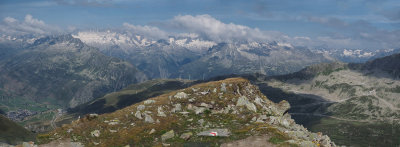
x,y
230,112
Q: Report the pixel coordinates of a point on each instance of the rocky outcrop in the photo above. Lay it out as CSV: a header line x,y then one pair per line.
x,y
231,109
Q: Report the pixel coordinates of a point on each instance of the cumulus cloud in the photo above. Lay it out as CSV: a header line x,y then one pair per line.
x,y
213,29
29,25
148,31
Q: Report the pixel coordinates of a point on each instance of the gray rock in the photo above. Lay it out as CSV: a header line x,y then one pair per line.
x,y
283,107
141,107
215,132
177,108
168,135
138,115
152,131
160,112
259,101
199,110
95,133
113,131
201,122
307,144
92,116
181,95
204,92
223,87
195,89
148,118
243,101
147,102
186,136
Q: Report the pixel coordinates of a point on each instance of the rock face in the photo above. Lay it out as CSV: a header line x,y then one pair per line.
x,y
236,110
65,70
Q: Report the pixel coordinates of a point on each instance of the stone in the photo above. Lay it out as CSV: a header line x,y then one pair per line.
x,y
92,116
215,132
95,133
190,107
201,122
223,87
186,136
204,92
307,144
138,115
29,144
160,112
147,102
199,110
283,107
113,131
152,131
113,123
254,119
177,108
205,105
141,107
168,135
181,95
284,122
215,90
243,101
148,118
259,101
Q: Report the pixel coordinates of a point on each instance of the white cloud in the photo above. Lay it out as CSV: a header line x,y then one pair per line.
x,y
29,25
148,31
9,20
213,29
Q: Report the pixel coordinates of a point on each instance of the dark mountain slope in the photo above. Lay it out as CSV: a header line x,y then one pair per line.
x,y
12,133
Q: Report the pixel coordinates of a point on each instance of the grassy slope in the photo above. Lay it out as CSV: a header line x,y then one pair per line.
x,y
12,133
139,133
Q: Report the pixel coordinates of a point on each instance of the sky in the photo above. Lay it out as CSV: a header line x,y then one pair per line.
x,y
354,24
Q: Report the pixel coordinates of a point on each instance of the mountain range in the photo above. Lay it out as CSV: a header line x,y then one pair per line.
x,y
48,81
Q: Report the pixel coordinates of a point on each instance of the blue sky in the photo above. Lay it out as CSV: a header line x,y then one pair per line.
x,y
323,23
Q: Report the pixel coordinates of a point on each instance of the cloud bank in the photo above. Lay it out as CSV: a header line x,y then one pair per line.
x,y
29,25
148,31
213,29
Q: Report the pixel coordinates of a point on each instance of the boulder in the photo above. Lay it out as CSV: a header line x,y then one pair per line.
x,y
141,107
148,118
243,101
152,131
283,107
177,108
186,136
95,133
199,110
138,115
181,95
168,135
147,102
160,112
223,87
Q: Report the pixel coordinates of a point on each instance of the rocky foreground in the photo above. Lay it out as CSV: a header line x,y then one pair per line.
x,y
230,112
